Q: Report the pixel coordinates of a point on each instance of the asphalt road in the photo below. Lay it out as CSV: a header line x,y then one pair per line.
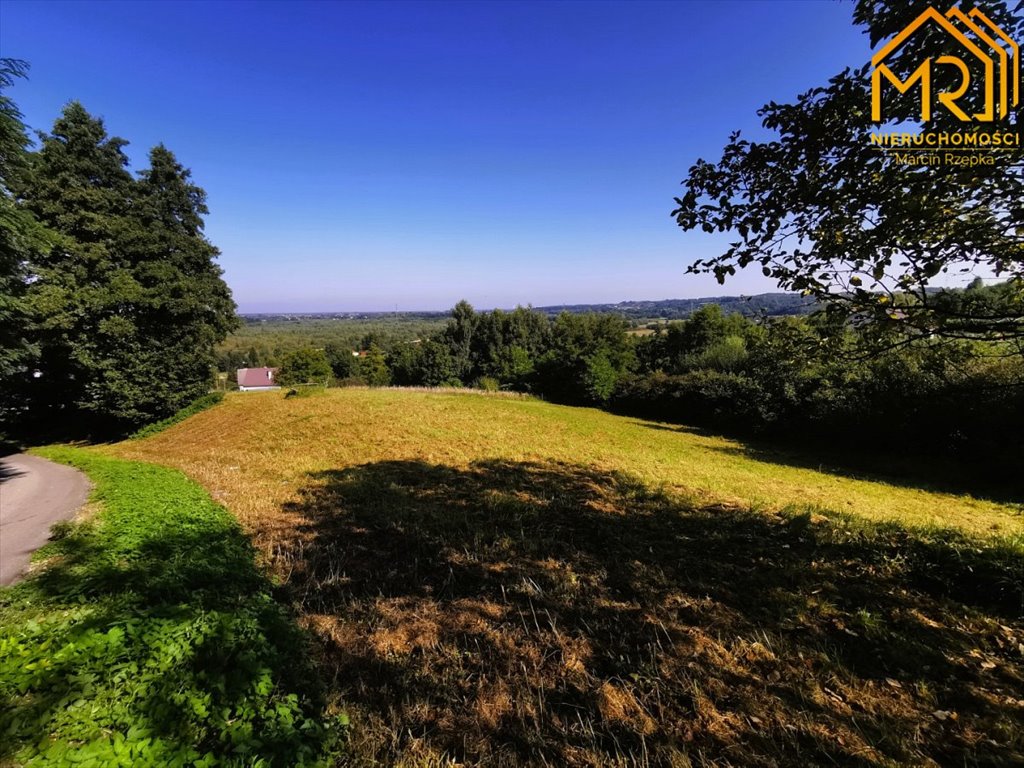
x,y
34,494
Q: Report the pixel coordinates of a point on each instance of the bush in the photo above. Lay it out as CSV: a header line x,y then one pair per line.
x,y
729,354
706,398
488,384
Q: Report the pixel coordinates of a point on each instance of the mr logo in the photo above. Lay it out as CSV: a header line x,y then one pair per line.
x,y
987,51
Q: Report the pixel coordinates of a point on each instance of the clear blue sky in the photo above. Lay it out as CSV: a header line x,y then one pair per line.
x,y
362,156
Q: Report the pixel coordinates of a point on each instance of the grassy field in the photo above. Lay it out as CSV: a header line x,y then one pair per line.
x,y
499,581
258,449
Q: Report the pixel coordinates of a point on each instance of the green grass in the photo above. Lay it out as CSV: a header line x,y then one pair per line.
x,y
150,637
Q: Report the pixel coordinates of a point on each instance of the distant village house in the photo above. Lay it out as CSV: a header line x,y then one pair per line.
x,y
251,379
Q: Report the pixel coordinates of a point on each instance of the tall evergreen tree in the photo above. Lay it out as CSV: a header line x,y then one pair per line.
x,y
21,237
190,308
130,300
79,187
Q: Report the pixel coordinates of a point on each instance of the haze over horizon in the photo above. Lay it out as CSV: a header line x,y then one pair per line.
x,y
507,307
416,154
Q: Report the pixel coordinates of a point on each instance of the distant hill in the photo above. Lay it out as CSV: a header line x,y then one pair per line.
x,y
664,309
677,309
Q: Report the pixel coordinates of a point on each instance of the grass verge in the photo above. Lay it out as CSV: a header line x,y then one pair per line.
x,y
150,637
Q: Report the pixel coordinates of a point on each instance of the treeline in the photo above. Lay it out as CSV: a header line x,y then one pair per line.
x,y
267,340
809,378
521,349
112,302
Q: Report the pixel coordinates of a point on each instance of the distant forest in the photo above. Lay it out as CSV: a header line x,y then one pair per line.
x,y
267,338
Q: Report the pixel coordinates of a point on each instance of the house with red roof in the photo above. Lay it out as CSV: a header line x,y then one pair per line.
x,y
253,379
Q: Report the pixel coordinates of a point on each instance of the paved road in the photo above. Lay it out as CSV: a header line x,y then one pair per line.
x,y
34,494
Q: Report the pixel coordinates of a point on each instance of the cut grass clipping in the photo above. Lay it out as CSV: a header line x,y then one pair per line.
x,y
151,638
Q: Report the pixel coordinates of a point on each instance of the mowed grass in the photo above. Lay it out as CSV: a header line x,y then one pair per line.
x,y
498,581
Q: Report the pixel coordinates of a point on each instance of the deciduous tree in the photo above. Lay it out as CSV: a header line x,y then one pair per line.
x,y
304,366
821,210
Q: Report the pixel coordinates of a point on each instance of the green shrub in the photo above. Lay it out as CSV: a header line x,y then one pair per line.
x,y
488,384
153,639
200,404
304,366
728,354
704,397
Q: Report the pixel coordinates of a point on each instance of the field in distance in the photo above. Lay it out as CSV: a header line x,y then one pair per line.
x,y
495,580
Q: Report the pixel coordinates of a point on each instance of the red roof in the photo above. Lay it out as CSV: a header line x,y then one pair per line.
x,y
256,377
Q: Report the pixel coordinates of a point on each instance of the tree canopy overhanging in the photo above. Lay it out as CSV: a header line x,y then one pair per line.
x,y
823,211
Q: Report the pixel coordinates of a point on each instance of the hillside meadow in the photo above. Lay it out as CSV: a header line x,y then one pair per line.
x,y
258,449
494,580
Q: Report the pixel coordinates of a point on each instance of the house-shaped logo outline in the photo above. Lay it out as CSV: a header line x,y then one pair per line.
x,y
923,72
1014,48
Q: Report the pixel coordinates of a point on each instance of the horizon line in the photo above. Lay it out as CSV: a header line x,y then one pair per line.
x,y
396,310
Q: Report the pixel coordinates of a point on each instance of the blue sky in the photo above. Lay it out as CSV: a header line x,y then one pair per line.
x,y
363,156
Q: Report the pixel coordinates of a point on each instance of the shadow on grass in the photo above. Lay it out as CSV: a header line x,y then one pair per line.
x,y
936,474
152,639
512,614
